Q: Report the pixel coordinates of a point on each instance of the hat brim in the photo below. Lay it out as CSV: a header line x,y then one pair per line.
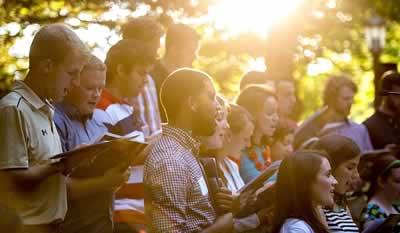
x,y
384,93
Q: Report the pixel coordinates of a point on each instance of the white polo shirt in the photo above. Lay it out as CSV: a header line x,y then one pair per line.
x,y
28,137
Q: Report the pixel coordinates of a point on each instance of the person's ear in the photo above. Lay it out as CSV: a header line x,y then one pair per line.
x,y
193,104
381,183
46,66
119,71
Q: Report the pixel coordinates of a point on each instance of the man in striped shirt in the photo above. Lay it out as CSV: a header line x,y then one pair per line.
x,y
128,63
146,30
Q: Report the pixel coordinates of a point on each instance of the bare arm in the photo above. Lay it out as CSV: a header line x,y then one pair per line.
x,y
28,178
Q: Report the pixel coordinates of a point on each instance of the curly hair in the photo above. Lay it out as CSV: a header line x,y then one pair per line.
x,y
332,86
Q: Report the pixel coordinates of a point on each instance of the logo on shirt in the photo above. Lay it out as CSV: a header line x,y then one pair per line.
x,y
44,132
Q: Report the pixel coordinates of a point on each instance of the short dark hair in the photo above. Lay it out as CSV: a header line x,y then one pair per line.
x,y
332,86
253,97
339,148
55,42
253,77
179,86
237,117
389,79
293,197
144,28
179,34
128,53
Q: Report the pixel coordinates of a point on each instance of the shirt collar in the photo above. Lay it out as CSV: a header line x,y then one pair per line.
x,y
29,95
72,112
107,99
183,137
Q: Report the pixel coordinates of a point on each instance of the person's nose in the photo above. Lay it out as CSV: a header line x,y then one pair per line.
x,y
334,181
97,92
276,118
356,175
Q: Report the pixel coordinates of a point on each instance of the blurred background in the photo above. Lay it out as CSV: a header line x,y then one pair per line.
x,y
304,39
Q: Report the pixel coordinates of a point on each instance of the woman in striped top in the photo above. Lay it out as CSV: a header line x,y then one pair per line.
x,y
298,203
344,158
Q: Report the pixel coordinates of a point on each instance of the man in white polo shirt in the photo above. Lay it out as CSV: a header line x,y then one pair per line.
x,y
28,136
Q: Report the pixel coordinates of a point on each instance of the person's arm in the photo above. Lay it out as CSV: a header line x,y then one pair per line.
x,y
366,139
14,158
83,187
166,185
28,178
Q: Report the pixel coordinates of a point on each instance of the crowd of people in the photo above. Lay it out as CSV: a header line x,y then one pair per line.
x,y
327,174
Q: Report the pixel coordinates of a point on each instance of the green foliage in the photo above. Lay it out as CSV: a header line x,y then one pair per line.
x,y
334,38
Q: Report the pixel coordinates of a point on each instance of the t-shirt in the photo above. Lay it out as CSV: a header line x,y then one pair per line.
x,y
121,120
315,126
374,212
28,137
340,221
293,225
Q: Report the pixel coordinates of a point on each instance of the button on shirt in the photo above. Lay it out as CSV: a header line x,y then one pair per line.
x,y
28,137
176,194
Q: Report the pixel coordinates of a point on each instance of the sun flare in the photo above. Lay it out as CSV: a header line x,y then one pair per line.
x,y
235,17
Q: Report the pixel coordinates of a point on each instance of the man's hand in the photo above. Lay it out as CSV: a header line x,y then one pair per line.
x,y
224,200
263,215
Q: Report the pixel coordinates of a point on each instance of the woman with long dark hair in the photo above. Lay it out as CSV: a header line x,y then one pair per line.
x,y
305,184
261,103
344,157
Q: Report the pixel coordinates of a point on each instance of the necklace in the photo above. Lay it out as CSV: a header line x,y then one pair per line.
x,y
266,155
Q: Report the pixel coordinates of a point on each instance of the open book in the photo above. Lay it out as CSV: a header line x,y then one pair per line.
x,y
106,152
255,195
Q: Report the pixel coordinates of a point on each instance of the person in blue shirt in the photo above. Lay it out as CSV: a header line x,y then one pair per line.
x,y
261,103
90,193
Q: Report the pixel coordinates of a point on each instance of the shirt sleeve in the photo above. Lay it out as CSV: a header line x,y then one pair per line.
x,y
167,185
367,140
13,139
